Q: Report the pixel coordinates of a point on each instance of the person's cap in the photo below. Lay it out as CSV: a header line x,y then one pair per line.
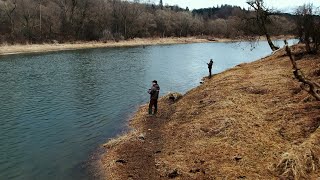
x,y
154,81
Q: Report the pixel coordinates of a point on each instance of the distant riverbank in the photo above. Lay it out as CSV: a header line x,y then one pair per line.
x,y
40,48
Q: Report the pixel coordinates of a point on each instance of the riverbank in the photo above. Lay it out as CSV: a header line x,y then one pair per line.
x,y
40,48
250,122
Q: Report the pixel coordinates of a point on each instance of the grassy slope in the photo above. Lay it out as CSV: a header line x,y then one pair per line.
x,y
251,121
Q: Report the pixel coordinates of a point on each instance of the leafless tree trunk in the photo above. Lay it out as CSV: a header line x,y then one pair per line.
x,y
308,27
308,85
262,14
9,12
40,19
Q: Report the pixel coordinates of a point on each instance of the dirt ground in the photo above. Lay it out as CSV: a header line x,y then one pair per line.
x,y
252,121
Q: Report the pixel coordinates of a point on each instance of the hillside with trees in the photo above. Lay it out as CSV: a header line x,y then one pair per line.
x,y
36,21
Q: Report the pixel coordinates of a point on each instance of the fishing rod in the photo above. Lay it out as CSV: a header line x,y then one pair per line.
x,y
205,61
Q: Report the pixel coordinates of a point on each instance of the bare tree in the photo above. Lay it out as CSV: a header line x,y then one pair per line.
x,y
262,18
183,22
67,15
164,22
308,27
99,23
306,84
281,25
197,26
27,10
9,9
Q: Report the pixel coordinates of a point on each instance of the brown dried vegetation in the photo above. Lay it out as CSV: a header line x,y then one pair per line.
x,y
251,121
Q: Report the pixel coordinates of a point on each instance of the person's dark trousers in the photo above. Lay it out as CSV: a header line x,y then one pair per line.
x,y
153,102
209,72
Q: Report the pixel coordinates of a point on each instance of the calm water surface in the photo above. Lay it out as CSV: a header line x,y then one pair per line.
x,y
57,108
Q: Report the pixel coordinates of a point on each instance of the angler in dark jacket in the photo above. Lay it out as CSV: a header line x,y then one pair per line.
x,y
210,67
154,95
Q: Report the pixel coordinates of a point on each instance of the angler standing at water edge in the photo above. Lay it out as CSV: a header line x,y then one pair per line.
x,y
154,95
210,67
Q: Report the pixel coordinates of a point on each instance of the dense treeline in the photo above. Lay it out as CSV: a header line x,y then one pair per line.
x,y
70,20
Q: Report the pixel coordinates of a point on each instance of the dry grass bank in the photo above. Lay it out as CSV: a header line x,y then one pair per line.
x,y
6,49
249,122
38,48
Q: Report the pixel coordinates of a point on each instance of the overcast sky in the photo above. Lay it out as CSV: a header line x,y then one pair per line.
x,y
284,5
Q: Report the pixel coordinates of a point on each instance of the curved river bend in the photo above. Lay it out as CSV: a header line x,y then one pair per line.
x,y
56,108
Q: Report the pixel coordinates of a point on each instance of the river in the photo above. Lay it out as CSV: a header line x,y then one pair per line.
x,y
57,108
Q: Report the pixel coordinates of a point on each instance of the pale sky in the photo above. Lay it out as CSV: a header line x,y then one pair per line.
x,y
283,5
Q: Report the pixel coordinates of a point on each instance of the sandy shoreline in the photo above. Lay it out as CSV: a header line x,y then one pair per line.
x,y
40,48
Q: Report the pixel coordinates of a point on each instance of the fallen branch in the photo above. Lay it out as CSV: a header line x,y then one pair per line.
x,y
307,85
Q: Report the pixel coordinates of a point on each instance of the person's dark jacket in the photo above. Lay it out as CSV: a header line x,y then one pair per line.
x,y
154,91
210,64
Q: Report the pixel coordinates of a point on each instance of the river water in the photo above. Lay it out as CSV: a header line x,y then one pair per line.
x,y
57,108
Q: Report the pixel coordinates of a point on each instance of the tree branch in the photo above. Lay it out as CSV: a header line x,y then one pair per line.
x,y
298,74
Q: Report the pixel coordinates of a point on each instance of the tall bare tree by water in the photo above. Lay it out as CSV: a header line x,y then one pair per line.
x,y
261,19
308,25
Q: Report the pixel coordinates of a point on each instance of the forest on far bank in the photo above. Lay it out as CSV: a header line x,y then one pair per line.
x,y
36,21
